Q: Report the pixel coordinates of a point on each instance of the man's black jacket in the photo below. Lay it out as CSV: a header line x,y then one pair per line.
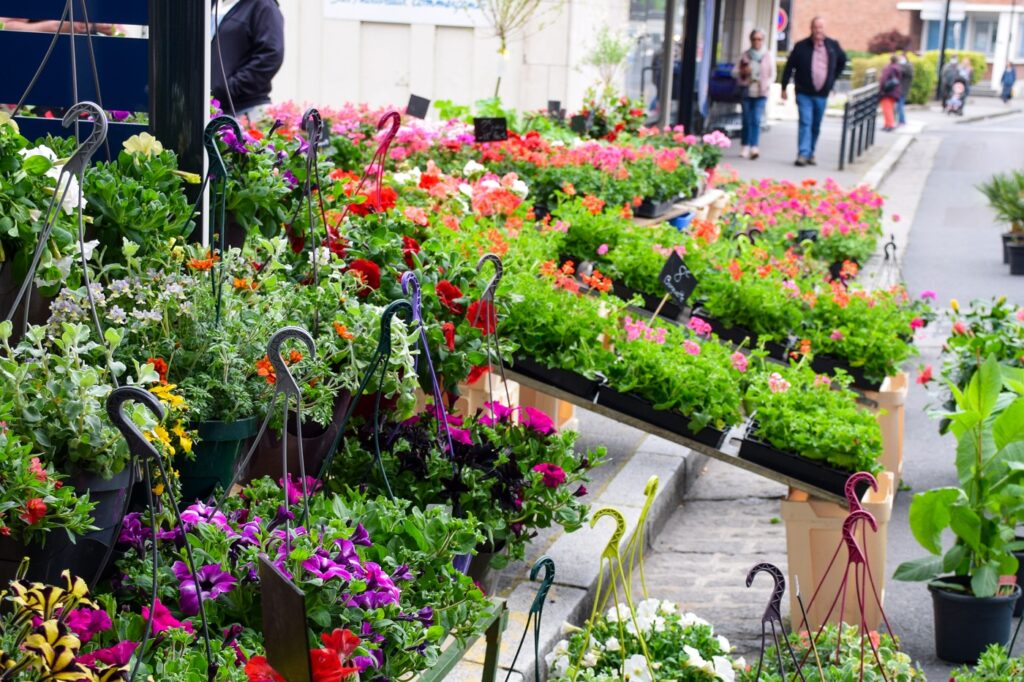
x,y
252,47
800,62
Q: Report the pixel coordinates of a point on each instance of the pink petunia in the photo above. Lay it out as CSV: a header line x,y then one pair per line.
x,y
534,419
552,475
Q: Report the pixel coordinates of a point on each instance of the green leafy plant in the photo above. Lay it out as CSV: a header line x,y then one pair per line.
x,y
1005,194
982,512
995,665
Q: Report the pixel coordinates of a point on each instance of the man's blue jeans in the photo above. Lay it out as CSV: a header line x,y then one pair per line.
x,y
753,112
901,110
812,110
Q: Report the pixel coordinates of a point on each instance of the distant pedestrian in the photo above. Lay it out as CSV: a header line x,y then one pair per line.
x,y
755,73
947,77
965,73
891,79
1007,81
906,82
247,52
814,64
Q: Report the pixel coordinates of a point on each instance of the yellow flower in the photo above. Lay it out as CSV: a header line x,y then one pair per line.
x,y
954,304
7,120
158,489
143,143
167,397
184,439
160,433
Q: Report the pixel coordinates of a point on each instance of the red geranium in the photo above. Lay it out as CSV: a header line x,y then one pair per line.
x,y
258,670
160,365
327,666
483,316
476,373
35,510
448,294
448,329
409,247
341,642
388,197
368,273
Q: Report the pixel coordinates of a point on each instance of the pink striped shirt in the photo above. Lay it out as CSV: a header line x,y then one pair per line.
x,y
819,66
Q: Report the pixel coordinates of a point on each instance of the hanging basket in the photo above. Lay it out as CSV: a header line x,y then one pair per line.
x,y
215,457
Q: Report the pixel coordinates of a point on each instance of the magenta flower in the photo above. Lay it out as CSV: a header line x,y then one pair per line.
x,y
739,362
361,537
461,436
163,620
691,347
929,295
916,323
836,335
213,582
552,474
115,656
701,327
602,250
501,413
87,622
581,491
201,514
322,566
534,419
294,488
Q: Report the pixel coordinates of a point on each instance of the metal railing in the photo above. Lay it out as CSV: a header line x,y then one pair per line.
x,y
859,116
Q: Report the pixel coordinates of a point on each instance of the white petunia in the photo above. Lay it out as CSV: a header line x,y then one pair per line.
x,y
612,644
724,643
693,657
635,669
723,669
41,150
591,658
70,198
739,664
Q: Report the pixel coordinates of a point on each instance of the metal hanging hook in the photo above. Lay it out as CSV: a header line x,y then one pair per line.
x,y
851,488
217,167
97,136
137,443
548,565
611,550
849,526
772,612
285,381
313,124
499,271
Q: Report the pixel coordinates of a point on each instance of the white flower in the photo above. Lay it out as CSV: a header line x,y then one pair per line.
x,y
70,201
519,188
143,143
669,607
7,120
558,659
635,669
410,178
689,620
612,644
724,643
590,658
41,150
723,669
648,608
466,189
693,657
491,184
473,168
659,624
739,664
617,613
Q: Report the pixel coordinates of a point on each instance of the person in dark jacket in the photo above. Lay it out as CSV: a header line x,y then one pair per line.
x,y
906,82
247,52
892,90
1007,81
814,64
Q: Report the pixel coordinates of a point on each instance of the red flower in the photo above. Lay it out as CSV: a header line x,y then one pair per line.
x,y
476,373
160,365
409,247
258,670
483,316
341,642
925,375
35,510
368,273
388,197
593,204
428,180
448,329
448,294
327,666
338,246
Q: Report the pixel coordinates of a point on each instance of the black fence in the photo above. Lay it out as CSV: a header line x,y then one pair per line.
x,y
859,116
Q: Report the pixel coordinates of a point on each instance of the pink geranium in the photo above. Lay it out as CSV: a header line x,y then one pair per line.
x,y
691,347
163,620
739,361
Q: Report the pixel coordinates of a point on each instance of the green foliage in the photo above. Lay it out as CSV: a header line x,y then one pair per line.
x,y
978,60
993,666
922,89
984,510
1005,194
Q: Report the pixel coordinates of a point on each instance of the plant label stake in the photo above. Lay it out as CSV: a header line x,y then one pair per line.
x,y
555,110
284,624
417,106
677,279
773,617
490,129
143,452
536,610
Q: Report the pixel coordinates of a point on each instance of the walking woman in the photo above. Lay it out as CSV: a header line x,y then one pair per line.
x,y
755,74
892,77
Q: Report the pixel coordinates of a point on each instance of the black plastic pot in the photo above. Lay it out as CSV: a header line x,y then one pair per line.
x,y
570,382
88,556
639,408
1007,238
316,445
795,466
670,311
966,625
737,335
216,456
653,209
38,305
1015,256
1018,608
828,364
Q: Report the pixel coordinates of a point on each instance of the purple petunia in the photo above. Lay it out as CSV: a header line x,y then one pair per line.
x,y
322,566
201,513
133,533
361,537
213,582
501,413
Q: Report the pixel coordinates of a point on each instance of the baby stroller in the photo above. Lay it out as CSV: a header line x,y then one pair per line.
x,y
957,95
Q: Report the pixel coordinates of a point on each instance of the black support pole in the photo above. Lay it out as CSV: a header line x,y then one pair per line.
x,y
942,51
179,77
688,78
668,63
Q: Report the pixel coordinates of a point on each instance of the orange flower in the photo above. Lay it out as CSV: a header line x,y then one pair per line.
x,y
265,369
568,189
735,271
548,269
568,268
593,204
805,347
242,283
203,264
294,357
343,331
627,211
598,281
160,365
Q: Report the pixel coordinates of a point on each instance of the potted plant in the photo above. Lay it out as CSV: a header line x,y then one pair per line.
x,y
973,607
995,665
1005,194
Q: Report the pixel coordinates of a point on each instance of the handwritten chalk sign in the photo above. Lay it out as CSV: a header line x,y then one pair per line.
x,y
581,124
417,107
490,129
284,624
677,279
807,235
555,110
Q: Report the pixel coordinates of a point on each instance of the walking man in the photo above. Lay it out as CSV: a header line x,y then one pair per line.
x,y
814,64
906,81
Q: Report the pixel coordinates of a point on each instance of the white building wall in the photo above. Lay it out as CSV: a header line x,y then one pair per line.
x,y
331,60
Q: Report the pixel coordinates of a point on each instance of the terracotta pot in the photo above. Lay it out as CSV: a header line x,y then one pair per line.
x,y
813,532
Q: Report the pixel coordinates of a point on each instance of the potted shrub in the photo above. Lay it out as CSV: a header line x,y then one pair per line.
x,y
973,607
1005,194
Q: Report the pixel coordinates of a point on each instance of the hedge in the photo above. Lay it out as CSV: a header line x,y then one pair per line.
x,y
978,60
922,89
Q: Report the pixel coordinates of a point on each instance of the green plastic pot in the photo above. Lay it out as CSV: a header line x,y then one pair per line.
x,y
216,455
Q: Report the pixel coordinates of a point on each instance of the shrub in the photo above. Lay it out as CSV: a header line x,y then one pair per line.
x,y
977,60
888,41
925,75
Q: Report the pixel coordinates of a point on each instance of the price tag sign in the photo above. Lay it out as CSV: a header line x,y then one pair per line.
x,y
555,110
677,279
284,624
807,235
490,129
581,124
417,107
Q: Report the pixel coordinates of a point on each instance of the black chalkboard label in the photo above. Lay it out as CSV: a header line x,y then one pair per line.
x,y
284,624
677,278
555,110
807,235
417,107
580,124
490,129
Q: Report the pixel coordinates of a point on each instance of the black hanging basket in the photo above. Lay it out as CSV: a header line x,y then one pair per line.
x,y
797,467
639,408
568,381
653,209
